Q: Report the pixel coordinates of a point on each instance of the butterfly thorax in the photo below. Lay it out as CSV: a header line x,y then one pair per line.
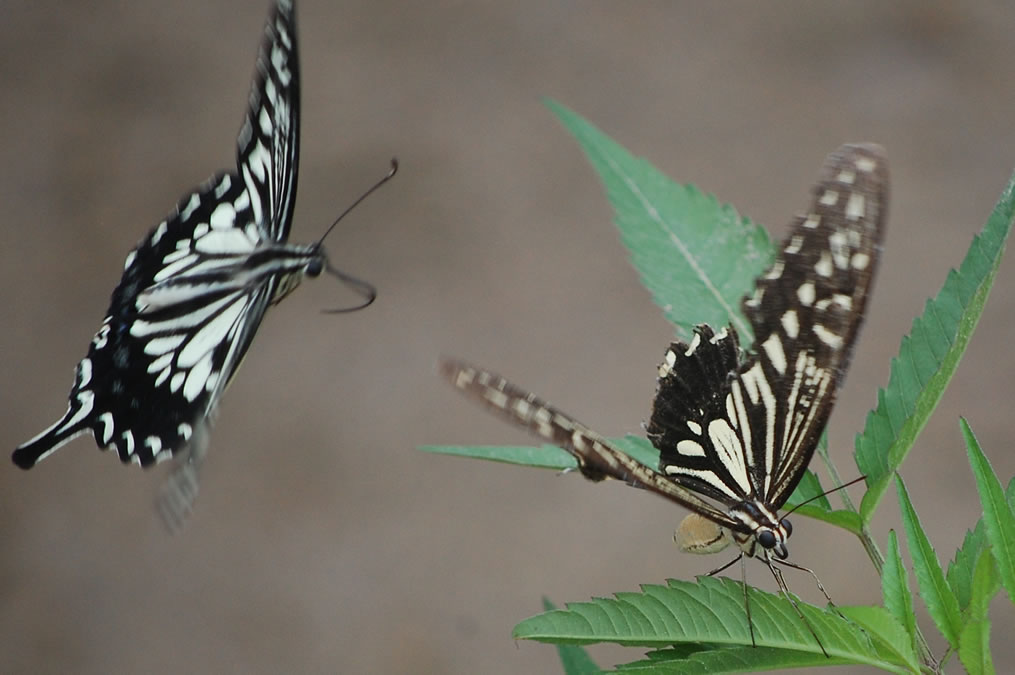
x,y
299,262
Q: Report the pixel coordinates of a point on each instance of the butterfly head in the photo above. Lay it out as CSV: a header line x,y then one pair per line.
x,y
774,538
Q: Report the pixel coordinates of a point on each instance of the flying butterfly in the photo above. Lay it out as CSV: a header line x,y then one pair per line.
x,y
736,430
195,289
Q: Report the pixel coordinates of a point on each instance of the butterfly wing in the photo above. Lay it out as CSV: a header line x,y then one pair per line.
x,y
597,457
745,430
268,146
194,291
807,309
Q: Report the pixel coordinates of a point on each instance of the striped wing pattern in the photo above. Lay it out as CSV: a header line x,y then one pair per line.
x,y
740,428
747,431
194,290
597,457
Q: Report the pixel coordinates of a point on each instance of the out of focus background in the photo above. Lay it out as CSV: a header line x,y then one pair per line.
x,y
323,540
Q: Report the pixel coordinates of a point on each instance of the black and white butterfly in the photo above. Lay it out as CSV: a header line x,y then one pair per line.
x,y
736,430
195,289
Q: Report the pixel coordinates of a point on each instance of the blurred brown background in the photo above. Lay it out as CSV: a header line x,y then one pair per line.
x,y
323,541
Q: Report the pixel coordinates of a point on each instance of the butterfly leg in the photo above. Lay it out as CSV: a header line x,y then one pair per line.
x,y
176,500
777,573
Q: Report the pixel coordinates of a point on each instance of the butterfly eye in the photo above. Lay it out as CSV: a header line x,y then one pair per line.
x,y
314,268
786,525
766,538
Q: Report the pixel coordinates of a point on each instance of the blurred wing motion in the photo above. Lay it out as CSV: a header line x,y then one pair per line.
x,y
740,428
195,289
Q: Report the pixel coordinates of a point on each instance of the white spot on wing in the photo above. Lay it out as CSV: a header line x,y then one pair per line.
x,y
791,324
191,206
107,427
829,198
690,449
159,232
806,294
776,355
828,337
796,242
162,345
865,164
855,207
694,427
695,341
860,261
197,377
230,241
824,266
497,398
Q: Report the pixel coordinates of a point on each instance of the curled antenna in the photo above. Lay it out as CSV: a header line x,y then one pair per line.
x,y
364,288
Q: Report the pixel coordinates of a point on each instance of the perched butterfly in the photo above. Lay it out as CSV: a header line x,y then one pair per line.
x,y
739,428
195,289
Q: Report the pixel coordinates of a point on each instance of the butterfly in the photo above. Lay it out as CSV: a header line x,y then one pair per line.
x,y
736,429
195,289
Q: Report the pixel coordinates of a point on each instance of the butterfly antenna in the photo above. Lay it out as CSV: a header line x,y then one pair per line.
x,y
364,288
391,172
825,494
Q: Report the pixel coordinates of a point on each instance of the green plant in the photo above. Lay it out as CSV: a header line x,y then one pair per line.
x,y
701,626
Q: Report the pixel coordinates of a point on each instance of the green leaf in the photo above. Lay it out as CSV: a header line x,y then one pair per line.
x,y
807,489
697,257
574,660
998,519
941,603
960,570
889,635
974,642
552,457
895,589
974,650
541,457
728,660
929,356
712,611
544,456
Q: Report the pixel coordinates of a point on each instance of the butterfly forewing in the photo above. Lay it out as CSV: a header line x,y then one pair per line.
x,y
597,457
194,291
751,433
268,146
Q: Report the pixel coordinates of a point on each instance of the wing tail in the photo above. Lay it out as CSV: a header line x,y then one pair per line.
x,y
76,421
